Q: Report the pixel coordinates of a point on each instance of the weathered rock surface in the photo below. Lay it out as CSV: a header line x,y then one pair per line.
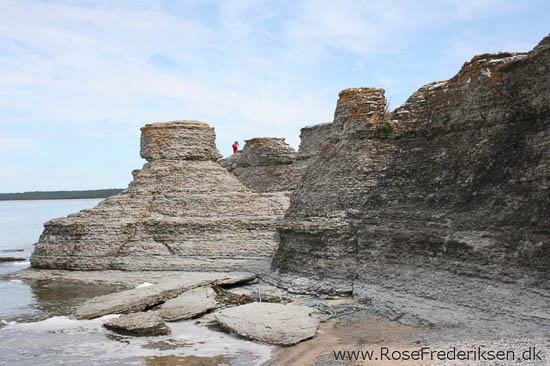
x,y
189,304
139,324
264,165
271,323
182,211
141,298
454,182
270,165
313,139
263,292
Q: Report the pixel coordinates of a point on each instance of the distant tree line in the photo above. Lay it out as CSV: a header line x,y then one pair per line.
x,y
59,195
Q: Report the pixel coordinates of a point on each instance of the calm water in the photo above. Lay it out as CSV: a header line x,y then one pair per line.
x,y
21,223
35,327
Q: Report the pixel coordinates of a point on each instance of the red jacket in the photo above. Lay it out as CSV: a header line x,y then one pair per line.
x,y
235,148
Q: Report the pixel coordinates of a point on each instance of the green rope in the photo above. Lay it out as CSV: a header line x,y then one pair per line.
x,y
335,311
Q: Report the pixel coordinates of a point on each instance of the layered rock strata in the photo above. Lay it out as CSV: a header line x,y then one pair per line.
x,y
265,164
268,164
446,196
182,211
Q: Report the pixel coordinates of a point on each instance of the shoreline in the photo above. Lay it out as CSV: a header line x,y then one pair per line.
x,y
365,330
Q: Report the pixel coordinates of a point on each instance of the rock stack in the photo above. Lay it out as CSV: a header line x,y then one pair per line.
x,y
266,164
182,211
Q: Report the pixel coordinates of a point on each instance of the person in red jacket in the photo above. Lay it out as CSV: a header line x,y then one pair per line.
x,y
235,147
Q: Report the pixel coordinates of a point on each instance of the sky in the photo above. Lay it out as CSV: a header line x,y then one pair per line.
x,y
79,78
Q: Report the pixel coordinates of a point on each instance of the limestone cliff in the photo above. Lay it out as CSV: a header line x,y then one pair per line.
x,y
419,209
182,211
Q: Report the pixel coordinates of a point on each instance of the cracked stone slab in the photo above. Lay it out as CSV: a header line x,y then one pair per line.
x,y
141,298
139,324
189,304
272,323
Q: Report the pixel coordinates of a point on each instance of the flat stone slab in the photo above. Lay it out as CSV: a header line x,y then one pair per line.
x,y
189,304
139,324
265,293
140,298
11,259
272,323
125,278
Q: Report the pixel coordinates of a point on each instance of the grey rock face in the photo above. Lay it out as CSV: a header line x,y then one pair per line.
x,y
458,184
182,211
189,304
270,165
312,139
264,165
257,292
141,298
271,323
139,324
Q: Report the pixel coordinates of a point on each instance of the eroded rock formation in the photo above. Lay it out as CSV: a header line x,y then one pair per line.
x,y
419,210
265,164
268,164
182,211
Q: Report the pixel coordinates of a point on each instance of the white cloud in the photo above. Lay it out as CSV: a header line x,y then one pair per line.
x,y
238,63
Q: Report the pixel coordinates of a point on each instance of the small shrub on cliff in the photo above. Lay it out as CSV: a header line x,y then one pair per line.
x,y
385,128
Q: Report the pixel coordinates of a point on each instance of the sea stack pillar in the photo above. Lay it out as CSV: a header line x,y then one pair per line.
x,y
182,211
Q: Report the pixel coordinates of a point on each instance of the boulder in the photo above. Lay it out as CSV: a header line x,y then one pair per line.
x,y
146,324
272,323
189,304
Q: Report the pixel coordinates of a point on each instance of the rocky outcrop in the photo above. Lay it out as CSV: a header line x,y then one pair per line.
x,y
271,323
141,298
182,211
264,165
449,191
270,165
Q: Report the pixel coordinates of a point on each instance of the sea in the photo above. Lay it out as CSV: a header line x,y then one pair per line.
x,y
36,327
